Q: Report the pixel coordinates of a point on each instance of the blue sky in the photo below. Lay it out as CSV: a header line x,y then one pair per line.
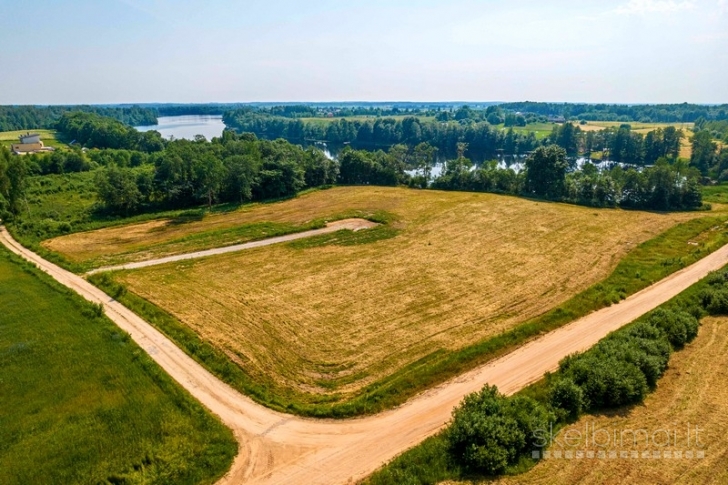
x,y
121,51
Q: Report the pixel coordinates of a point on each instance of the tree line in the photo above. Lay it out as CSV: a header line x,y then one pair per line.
x,y
619,143
240,168
14,118
652,113
95,131
718,128
13,178
481,137
708,157
142,171
548,174
231,168
485,141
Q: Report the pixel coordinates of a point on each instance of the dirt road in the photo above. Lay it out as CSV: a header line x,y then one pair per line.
x,y
351,224
281,449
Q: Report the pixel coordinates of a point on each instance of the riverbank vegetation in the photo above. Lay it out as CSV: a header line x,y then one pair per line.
x,y
83,404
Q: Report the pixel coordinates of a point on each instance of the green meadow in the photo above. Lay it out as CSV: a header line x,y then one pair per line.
x,y
82,403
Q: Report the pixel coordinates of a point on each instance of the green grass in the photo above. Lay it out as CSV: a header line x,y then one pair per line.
x,y
61,204
646,264
81,403
715,194
541,130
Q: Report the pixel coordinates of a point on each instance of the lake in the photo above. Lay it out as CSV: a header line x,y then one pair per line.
x,y
187,127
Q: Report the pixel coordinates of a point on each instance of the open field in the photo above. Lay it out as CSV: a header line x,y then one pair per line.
x,y
48,137
188,231
331,318
541,130
277,448
692,393
82,403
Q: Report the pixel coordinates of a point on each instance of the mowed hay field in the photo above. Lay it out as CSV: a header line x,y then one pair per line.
x,y
81,403
333,318
692,393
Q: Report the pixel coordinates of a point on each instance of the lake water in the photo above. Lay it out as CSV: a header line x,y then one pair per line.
x,y
187,127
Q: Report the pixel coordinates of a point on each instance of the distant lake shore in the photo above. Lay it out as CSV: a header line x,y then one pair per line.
x,y
187,127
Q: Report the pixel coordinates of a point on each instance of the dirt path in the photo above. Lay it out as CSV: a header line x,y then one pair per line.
x,y
279,449
351,224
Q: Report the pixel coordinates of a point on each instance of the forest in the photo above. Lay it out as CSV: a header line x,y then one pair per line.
x,y
484,141
141,172
14,118
657,113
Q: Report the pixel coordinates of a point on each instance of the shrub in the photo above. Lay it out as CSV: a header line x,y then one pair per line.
x,y
489,432
569,397
608,382
679,326
716,301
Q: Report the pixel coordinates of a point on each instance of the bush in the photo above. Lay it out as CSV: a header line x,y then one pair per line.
x,y
620,369
489,432
715,301
680,326
608,382
567,396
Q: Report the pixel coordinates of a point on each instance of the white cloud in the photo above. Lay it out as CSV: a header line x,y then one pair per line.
x,y
656,6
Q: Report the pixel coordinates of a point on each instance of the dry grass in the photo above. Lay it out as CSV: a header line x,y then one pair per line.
x,y
692,393
465,266
163,237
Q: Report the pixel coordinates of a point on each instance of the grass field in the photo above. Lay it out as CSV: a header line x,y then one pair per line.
x,y
715,194
81,403
48,137
331,319
541,130
692,393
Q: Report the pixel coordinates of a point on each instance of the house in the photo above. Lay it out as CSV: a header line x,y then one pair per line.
x,y
29,143
30,139
23,148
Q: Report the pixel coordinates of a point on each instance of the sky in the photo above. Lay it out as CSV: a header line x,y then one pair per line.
x,y
194,51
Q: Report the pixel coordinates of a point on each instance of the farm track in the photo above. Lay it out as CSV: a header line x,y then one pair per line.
x,y
350,224
276,448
